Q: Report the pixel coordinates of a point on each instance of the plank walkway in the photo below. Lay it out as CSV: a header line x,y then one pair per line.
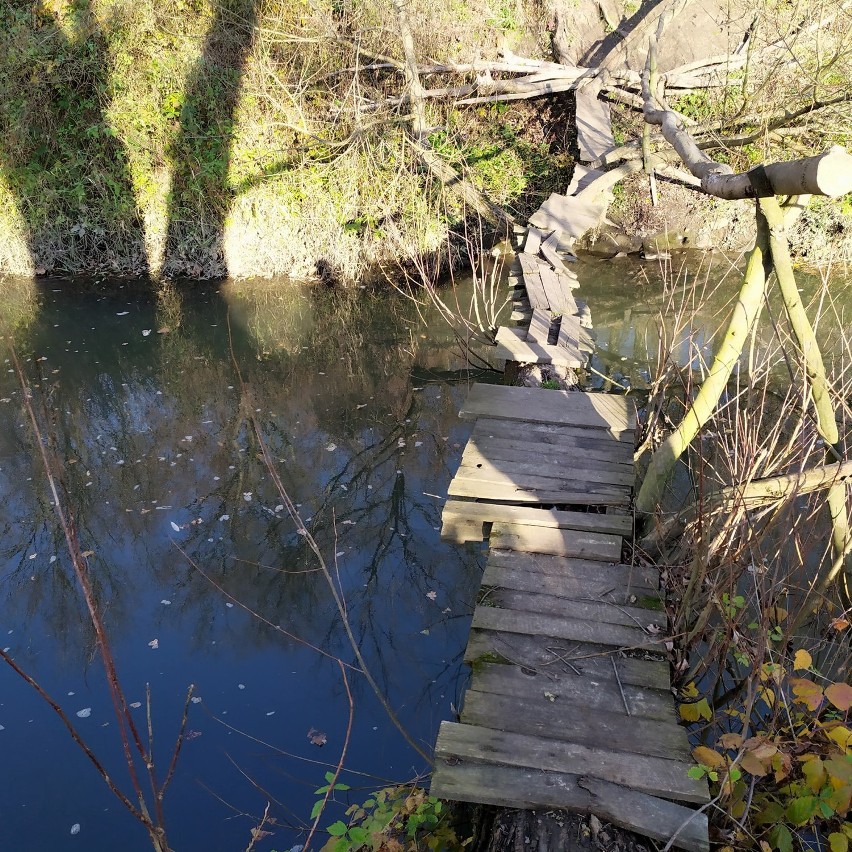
x,y
569,703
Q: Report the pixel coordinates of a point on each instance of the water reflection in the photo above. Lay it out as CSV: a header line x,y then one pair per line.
x,y
145,404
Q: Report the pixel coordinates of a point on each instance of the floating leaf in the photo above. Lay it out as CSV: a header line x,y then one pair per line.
x,y
840,695
431,595
85,712
318,738
802,661
75,829
154,643
175,527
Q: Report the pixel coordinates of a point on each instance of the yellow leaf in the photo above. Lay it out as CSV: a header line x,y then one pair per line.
x,y
838,842
802,661
708,757
840,695
814,772
696,710
807,692
841,735
752,764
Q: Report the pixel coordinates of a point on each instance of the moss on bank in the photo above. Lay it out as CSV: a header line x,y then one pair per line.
x,y
241,137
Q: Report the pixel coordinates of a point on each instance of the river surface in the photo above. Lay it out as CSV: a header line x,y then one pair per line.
x,y
151,399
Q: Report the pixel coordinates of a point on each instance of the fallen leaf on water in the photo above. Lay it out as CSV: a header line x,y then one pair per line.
x,y
122,313
431,595
154,643
88,553
191,735
318,738
195,699
136,704
164,602
331,447
146,332
175,527
85,712
75,829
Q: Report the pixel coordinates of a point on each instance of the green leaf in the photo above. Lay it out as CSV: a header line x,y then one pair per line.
x,y
321,791
696,772
780,838
337,829
317,808
342,787
358,835
342,845
770,814
838,842
329,776
800,810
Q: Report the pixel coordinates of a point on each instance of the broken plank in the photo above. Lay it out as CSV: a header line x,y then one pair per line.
x,y
554,518
532,281
568,543
549,653
571,688
540,325
533,241
655,775
614,413
594,127
573,335
549,250
558,291
559,465
573,216
512,345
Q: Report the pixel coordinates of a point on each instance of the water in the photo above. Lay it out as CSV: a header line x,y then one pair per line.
x,y
141,395
149,397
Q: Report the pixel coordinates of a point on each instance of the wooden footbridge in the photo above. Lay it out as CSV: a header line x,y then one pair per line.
x,y
569,704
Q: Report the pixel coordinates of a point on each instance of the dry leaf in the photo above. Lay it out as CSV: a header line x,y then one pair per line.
x,y
318,738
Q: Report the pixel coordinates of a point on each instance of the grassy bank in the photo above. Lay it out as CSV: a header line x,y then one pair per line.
x,y
242,137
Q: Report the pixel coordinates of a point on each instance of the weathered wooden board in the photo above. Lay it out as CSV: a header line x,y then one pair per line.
x,y
500,487
560,465
573,544
538,715
538,563
573,335
655,775
461,530
614,413
515,787
532,516
589,610
533,241
568,437
570,629
532,281
571,688
594,126
573,216
570,543
558,290
574,584
473,463
566,454
540,325
581,177
512,345
550,251
549,653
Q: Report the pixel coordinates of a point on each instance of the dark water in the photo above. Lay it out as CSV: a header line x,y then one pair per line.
x,y
161,460
356,397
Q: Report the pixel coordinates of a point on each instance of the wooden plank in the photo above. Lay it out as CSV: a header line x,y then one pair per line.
x,y
573,216
532,281
594,127
538,715
534,405
604,588
581,177
474,463
645,576
533,241
654,775
492,485
507,448
539,329
551,654
550,251
548,434
515,787
573,335
461,530
554,518
512,345
558,292
569,629
555,464
607,613
571,688
569,543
